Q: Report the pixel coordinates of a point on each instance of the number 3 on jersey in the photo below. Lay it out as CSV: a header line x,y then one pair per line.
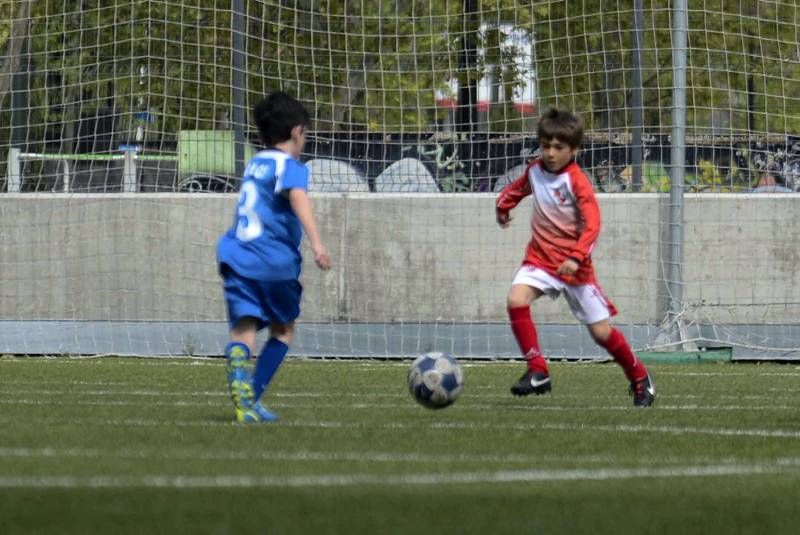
x,y
250,226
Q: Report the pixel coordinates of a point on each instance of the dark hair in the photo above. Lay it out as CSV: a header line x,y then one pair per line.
x,y
561,125
276,115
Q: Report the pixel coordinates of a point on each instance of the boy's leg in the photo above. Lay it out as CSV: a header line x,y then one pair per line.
x,y
642,388
536,379
613,341
245,317
238,352
281,301
591,307
271,357
269,360
527,338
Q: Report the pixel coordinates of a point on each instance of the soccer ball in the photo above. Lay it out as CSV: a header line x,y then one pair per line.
x,y
435,380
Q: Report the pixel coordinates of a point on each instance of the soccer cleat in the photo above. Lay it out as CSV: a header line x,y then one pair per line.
x,y
255,414
532,383
643,392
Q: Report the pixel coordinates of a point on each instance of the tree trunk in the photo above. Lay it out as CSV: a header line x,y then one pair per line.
x,y
19,32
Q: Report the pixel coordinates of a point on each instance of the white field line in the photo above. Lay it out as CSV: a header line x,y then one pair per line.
x,y
750,373
361,394
354,362
387,480
360,456
409,405
39,382
104,360
117,393
325,456
379,394
399,426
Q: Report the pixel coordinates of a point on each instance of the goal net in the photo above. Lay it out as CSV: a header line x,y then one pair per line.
x,y
124,127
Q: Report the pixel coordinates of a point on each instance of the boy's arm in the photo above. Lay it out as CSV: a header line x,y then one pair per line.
x,y
301,204
510,197
590,216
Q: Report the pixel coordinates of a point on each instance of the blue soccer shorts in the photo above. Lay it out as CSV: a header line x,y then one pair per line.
x,y
266,301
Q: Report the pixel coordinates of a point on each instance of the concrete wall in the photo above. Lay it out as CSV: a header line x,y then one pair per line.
x,y
398,258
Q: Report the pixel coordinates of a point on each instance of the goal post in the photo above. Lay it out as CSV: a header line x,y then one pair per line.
x,y
124,125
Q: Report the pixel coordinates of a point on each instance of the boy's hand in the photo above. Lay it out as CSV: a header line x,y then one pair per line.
x,y
567,267
503,217
321,257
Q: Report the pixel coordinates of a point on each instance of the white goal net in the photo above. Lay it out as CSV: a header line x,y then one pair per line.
x,y
124,128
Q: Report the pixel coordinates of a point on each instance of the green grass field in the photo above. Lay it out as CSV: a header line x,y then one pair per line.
x,y
114,445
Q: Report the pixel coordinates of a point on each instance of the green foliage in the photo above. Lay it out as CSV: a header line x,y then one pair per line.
x,y
584,57
5,22
374,65
5,32
365,66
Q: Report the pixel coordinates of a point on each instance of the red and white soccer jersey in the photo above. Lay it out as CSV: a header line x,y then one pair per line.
x,y
565,224
566,218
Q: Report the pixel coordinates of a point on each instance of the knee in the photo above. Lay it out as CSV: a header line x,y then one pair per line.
x,y
512,303
517,298
598,338
600,332
285,338
282,332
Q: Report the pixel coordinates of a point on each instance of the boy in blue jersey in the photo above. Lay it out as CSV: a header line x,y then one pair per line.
x,y
259,256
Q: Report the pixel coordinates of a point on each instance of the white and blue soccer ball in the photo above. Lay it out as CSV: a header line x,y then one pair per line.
x,y
435,380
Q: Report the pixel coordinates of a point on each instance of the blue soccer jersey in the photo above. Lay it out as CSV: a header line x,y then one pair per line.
x,y
264,241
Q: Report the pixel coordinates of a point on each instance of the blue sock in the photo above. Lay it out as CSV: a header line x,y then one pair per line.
x,y
267,364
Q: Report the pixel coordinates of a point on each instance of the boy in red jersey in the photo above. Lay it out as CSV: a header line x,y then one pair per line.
x,y
565,226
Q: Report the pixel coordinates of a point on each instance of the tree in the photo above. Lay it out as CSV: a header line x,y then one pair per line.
x,y
12,30
583,61
368,66
374,65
